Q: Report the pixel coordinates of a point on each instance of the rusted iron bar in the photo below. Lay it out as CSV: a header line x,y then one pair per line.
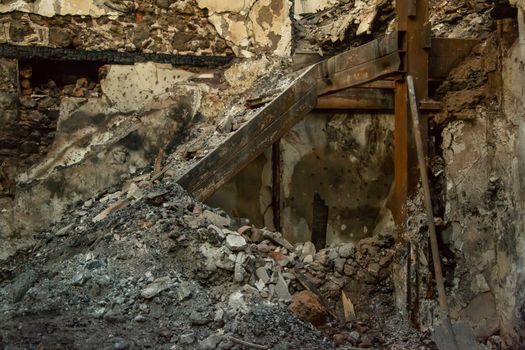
x,y
414,40
363,73
427,196
358,98
276,184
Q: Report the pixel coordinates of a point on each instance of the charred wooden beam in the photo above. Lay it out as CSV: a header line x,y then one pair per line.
x,y
253,138
113,57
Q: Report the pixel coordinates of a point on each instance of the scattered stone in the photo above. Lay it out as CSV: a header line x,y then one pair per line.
x,y
347,250
235,242
262,274
354,336
159,285
307,306
198,319
281,288
308,249
64,230
187,339
339,265
216,219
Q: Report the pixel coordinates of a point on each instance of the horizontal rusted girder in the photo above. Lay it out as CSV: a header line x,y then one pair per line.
x,y
360,74
358,98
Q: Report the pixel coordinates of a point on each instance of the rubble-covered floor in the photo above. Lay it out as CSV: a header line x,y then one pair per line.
x,y
166,272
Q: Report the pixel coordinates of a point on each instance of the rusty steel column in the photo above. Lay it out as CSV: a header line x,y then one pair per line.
x,y
414,41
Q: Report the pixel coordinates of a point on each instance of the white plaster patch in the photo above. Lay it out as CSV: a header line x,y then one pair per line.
x,y
312,6
131,87
225,5
49,8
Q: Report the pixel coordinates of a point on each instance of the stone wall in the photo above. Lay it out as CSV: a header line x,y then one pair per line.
x,y
189,27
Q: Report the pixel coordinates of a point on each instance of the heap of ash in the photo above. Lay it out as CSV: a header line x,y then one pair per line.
x,y
149,267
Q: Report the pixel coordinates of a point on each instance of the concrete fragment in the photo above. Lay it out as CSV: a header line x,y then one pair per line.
x,y
159,285
216,219
308,249
238,274
347,250
187,339
281,288
339,265
262,274
235,242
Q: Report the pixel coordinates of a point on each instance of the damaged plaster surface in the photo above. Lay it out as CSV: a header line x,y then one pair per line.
x,y
50,8
99,140
182,27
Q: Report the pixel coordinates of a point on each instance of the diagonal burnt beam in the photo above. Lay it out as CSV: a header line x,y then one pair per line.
x,y
280,115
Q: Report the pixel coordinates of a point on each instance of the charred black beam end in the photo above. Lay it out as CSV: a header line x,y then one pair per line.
x,y
113,57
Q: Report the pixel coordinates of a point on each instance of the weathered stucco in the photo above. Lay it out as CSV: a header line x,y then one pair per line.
x,y
49,8
183,27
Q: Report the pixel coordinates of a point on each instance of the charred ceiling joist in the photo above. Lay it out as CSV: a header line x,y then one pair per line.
x,y
115,57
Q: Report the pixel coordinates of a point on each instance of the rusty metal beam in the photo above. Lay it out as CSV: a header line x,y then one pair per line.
x,y
414,41
358,98
360,74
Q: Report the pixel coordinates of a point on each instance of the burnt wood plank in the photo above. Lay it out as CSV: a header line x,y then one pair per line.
x,y
266,127
112,57
370,51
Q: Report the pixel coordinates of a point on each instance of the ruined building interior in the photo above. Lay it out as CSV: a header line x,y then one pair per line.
x,y
262,174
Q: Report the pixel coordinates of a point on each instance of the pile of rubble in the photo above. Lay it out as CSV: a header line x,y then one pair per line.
x,y
145,265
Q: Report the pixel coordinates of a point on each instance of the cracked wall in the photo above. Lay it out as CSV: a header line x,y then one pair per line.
x,y
163,26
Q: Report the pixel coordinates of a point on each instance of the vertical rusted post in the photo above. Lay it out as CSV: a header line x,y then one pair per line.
x,y
414,40
276,184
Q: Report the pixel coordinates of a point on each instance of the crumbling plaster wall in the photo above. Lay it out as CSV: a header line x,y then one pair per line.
x,y
346,158
484,155
102,140
200,27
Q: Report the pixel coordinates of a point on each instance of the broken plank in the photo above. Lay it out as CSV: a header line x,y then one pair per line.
x,y
265,128
360,74
357,98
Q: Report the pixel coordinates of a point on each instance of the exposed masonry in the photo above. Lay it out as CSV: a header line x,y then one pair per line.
x,y
67,139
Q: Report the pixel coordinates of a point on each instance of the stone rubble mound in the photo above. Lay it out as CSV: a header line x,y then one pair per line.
x,y
145,265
